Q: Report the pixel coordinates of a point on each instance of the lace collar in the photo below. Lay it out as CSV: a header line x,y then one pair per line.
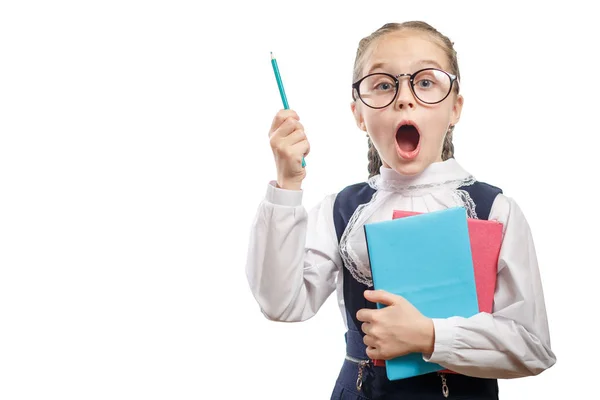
x,y
440,175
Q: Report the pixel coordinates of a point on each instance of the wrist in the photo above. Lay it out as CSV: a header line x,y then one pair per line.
x,y
427,344
289,185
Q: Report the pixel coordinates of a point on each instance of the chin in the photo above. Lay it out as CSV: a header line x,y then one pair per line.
x,y
412,168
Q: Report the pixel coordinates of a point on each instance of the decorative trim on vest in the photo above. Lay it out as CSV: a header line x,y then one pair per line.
x,y
349,199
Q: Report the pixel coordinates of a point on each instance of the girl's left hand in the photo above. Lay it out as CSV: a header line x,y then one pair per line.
x,y
395,330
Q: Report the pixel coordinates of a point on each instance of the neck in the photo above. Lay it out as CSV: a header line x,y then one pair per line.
x,y
444,173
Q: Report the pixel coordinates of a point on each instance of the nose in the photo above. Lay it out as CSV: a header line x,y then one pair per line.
x,y
405,98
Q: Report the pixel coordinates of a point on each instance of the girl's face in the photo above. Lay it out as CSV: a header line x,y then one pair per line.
x,y
408,150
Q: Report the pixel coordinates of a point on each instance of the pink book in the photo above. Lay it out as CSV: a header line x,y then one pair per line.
x,y
486,240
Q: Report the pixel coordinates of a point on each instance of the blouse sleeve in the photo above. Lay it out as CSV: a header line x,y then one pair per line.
x,y
293,259
514,340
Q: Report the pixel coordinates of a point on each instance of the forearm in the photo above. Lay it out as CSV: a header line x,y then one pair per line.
x,y
275,261
289,278
489,346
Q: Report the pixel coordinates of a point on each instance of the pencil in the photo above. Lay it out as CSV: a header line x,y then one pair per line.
x,y
281,89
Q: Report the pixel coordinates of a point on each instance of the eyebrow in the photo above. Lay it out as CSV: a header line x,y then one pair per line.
x,y
421,63
429,62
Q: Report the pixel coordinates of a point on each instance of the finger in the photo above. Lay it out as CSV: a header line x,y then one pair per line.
x,y
366,327
373,353
281,116
288,127
302,148
382,297
295,137
297,151
369,341
307,150
296,142
365,315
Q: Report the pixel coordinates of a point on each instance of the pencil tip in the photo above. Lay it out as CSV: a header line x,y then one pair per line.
x,y
272,56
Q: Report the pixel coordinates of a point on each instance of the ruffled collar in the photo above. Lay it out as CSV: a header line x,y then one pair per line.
x,y
440,175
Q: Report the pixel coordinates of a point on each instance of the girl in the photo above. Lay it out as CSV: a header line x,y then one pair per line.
x,y
406,97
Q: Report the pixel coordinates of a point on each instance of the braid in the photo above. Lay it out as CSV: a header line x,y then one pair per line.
x,y
448,149
374,160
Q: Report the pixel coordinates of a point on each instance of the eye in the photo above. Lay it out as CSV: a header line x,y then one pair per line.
x,y
425,83
377,85
385,86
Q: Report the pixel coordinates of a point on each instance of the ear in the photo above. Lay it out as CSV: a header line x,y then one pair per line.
x,y
457,109
360,122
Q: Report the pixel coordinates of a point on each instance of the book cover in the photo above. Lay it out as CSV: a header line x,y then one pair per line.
x,y
485,237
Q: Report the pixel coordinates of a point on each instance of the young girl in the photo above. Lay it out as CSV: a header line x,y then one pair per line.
x,y
406,97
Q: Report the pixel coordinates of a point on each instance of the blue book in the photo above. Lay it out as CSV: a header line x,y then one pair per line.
x,y
426,259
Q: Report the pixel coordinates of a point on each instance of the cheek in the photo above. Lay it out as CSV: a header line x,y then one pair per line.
x,y
373,128
378,122
439,121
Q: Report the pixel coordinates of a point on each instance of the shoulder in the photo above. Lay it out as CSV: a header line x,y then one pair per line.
x,y
507,211
350,197
354,188
482,188
483,195
356,192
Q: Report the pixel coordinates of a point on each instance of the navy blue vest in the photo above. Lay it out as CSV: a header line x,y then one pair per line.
x,y
376,384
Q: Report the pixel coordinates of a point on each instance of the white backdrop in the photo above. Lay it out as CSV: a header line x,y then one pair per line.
x,y
134,152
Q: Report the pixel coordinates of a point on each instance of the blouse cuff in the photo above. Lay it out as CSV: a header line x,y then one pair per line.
x,y
445,331
283,197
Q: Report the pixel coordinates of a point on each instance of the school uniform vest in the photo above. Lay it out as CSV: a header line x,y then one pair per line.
x,y
361,380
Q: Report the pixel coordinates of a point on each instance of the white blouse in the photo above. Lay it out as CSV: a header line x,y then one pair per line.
x,y
295,263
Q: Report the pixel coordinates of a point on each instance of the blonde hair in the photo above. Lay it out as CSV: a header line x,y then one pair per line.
x,y
363,47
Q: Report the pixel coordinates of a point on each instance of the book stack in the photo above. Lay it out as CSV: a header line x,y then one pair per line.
x,y
442,262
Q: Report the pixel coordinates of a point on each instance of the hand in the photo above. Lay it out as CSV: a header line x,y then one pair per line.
x,y
395,330
289,145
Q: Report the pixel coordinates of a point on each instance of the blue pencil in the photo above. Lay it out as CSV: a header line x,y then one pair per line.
x,y
281,90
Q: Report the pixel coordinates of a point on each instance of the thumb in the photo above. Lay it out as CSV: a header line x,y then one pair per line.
x,y
381,296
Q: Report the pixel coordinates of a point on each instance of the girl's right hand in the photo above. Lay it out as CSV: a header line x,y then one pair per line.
x,y
289,145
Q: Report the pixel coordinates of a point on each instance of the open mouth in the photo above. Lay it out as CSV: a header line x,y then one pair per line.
x,y
407,140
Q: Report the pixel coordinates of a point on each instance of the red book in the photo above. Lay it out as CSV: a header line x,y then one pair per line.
x,y
486,240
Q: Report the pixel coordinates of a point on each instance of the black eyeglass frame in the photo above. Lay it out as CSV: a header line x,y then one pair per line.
x,y
356,85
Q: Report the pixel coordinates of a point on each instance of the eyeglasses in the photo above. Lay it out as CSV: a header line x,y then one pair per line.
x,y
430,86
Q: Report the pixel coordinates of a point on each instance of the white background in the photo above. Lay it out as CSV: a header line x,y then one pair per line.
x,y
134,152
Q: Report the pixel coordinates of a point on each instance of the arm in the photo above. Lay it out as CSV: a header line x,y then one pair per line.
x,y
514,341
293,257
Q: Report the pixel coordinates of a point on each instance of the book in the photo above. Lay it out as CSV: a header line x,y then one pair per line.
x,y
485,237
425,258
